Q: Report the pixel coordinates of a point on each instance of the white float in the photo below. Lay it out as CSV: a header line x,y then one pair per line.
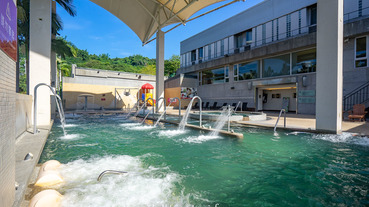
x,y
46,198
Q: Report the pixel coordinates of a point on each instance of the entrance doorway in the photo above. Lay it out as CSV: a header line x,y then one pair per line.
x,y
271,98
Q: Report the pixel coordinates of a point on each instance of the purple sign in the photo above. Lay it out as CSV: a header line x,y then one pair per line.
x,y
8,28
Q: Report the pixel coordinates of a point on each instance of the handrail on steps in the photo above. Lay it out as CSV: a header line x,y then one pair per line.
x,y
276,123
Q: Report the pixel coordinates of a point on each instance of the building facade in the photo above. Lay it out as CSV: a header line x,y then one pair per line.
x,y
266,55
103,89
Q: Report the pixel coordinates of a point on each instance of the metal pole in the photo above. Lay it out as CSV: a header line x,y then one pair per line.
x,y
85,103
229,118
284,110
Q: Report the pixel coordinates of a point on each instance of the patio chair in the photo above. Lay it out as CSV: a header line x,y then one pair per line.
x,y
244,106
214,105
207,105
196,106
358,112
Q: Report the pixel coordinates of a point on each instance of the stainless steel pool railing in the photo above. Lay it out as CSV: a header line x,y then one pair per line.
x,y
115,172
179,106
276,123
240,103
58,103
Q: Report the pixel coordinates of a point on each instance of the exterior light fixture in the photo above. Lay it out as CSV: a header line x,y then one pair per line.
x,y
249,85
304,81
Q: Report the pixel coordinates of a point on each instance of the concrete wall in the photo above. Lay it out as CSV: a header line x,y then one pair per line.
x,y
23,113
101,84
103,96
7,131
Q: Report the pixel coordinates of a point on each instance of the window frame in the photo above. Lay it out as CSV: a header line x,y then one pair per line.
x,y
366,52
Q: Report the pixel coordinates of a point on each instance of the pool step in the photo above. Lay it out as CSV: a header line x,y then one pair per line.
x,y
223,132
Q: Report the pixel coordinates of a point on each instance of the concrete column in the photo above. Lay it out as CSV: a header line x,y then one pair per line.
x,y
329,66
54,77
159,68
39,56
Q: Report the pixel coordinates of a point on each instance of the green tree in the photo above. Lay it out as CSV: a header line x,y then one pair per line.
x,y
171,65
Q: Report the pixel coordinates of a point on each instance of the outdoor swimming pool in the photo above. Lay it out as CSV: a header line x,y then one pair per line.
x,y
167,167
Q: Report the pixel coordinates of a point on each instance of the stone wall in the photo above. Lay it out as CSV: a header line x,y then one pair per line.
x,y
7,129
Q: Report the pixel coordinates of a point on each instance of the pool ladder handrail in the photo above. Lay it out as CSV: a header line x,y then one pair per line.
x,y
179,107
276,123
240,103
58,104
115,172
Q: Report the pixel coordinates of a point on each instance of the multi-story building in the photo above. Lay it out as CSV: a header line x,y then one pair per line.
x,y
267,54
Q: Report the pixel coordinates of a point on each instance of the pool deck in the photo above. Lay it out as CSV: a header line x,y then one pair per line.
x,y
299,122
24,170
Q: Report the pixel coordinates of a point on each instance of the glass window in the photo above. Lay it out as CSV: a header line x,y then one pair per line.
x,y
235,72
304,61
201,53
361,63
249,36
219,75
209,51
247,71
361,47
239,40
193,55
313,15
221,47
361,59
226,74
276,66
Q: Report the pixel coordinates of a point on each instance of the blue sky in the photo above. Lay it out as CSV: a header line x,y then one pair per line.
x,y
99,32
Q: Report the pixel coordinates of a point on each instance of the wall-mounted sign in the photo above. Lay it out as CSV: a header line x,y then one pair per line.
x,y
8,28
188,93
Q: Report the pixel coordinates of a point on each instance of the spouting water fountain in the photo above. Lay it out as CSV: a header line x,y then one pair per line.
x,y
162,114
138,111
58,104
131,109
222,119
183,123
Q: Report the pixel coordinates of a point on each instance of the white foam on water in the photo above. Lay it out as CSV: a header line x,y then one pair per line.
x,y
172,133
130,124
141,186
69,125
141,128
71,136
343,138
200,139
85,145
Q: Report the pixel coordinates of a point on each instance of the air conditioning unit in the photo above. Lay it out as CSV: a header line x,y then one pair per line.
x,y
237,50
247,47
193,62
200,61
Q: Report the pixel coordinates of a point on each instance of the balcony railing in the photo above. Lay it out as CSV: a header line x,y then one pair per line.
x,y
272,39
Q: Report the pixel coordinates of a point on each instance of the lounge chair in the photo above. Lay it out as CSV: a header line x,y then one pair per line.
x,y
244,106
214,105
207,105
196,105
358,112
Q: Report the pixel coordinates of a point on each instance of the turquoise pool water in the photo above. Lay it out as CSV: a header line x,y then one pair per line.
x,y
167,167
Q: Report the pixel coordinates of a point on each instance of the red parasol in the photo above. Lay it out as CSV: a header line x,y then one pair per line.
x,y
147,86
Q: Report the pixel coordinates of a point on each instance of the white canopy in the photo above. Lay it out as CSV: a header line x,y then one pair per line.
x,y
146,17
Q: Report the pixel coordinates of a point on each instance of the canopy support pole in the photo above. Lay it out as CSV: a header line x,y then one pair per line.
x,y
329,66
159,69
